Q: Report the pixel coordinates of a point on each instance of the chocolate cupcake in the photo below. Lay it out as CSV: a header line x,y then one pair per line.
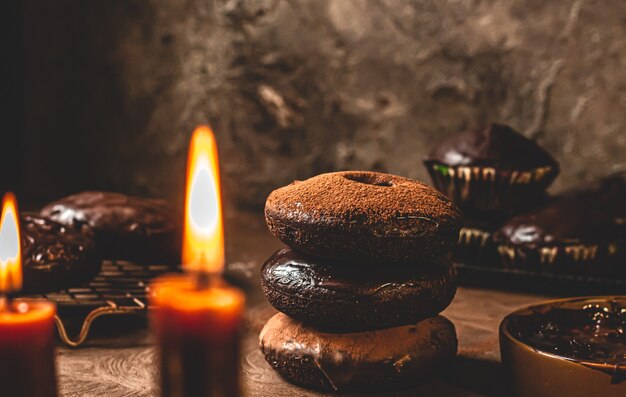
x,y
492,169
566,237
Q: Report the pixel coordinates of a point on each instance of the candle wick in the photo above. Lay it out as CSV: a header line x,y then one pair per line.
x,y
204,280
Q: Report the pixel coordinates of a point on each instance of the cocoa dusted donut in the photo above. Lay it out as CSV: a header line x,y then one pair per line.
x,y
383,360
130,228
342,299
364,217
55,256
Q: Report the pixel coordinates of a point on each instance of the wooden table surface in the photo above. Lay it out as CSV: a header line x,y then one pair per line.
x,y
119,360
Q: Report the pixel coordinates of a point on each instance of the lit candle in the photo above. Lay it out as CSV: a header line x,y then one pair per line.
x,y
27,353
197,316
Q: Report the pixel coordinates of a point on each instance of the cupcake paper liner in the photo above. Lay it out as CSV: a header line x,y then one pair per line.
x,y
577,259
491,189
475,247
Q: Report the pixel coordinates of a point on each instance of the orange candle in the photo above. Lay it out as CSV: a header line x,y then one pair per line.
x,y
197,317
198,332
27,348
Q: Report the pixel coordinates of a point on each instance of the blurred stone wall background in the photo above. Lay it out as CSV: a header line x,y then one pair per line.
x,y
113,88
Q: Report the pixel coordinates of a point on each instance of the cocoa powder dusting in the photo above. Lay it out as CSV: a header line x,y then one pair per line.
x,y
360,199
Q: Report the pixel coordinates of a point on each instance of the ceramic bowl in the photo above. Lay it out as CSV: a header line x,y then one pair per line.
x,y
534,373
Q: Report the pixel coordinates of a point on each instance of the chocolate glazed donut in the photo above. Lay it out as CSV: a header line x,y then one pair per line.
x,y
55,256
364,217
344,299
389,359
129,228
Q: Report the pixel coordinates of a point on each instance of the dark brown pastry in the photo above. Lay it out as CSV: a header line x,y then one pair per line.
x,y
126,227
492,169
55,256
383,360
565,236
364,217
341,298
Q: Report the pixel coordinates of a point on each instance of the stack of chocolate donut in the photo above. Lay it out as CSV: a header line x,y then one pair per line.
x,y
362,282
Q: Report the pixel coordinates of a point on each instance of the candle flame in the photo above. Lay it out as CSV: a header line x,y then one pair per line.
x,y
203,236
10,246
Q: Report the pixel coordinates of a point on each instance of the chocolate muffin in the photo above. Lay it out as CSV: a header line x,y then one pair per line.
x,y
389,359
565,236
130,228
364,217
338,298
492,169
55,256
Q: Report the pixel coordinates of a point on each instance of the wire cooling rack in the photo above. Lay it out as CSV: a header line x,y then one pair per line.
x,y
119,289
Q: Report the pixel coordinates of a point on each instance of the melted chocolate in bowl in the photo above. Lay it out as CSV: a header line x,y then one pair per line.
x,y
589,329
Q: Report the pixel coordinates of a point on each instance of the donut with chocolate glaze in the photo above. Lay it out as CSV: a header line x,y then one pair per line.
x,y
341,299
55,256
130,228
364,217
384,360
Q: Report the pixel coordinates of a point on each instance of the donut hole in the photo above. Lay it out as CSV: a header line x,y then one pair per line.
x,y
370,179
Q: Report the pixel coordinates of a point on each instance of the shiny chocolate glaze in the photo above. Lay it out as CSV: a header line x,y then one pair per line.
x,y
594,333
296,273
496,145
126,227
388,359
55,256
349,297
